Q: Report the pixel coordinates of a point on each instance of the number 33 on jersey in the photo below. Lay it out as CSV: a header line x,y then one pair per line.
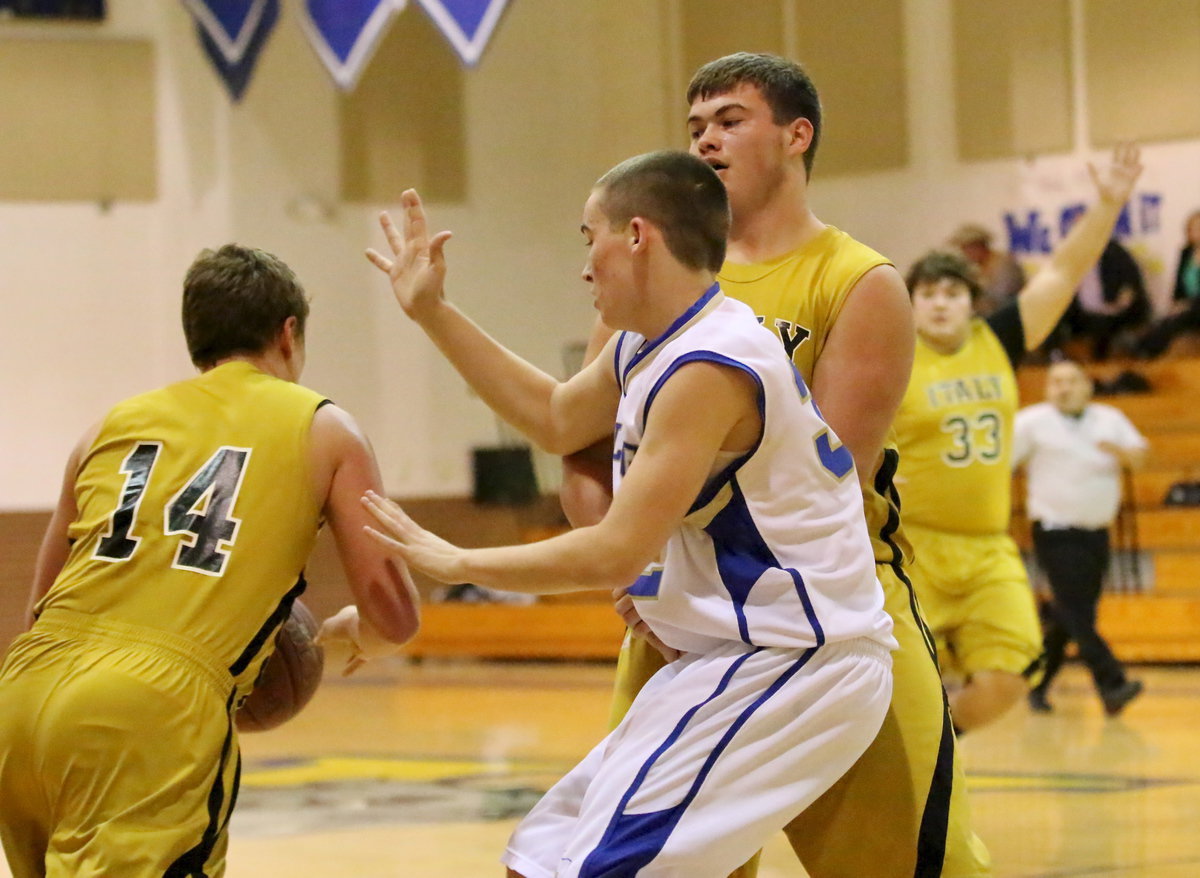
x,y
957,415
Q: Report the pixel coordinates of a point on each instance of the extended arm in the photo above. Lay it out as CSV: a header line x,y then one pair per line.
x,y
1044,299
561,417
671,466
861,375
388,613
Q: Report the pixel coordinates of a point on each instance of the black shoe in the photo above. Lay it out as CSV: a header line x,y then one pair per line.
x,y
1038,702
1118,697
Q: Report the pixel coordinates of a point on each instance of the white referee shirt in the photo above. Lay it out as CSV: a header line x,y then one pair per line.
x,y
1070,482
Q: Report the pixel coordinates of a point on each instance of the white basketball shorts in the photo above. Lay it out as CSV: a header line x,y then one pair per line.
x,y
718,751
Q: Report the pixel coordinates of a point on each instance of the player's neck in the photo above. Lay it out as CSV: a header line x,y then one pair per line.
x,y
760,233
269,362
672,297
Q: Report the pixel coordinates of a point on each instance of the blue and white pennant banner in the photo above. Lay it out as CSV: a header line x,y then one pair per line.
x,y
344,33
233,33
467,24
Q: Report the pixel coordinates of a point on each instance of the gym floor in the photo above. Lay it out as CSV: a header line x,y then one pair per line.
x,y
422,770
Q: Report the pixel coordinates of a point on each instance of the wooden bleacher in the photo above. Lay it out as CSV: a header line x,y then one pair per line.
x,y
1163,623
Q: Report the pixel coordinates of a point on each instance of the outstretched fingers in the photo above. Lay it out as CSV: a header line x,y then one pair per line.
x,y
379,260
391,517
414,220
437,254
1117,180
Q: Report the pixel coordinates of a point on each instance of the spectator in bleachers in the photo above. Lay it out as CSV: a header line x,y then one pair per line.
x,y
1000,274
1185,298
1074,451
1110,300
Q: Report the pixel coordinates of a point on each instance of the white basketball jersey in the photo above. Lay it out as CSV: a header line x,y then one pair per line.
x,y
774,551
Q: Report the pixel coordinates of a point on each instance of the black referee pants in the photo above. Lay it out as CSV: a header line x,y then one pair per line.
x,y
1075,561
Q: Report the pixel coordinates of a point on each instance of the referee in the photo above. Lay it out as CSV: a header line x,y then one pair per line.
x,y
1074,451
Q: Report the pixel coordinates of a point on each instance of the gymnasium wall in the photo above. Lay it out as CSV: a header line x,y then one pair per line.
x,y
89,285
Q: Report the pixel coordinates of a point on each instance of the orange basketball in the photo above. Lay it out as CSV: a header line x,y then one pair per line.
x,y
289,678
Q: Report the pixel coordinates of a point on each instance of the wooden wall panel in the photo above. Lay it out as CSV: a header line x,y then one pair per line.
x,y
404,125
855,53
708,30
1143,66
1012,77
78,120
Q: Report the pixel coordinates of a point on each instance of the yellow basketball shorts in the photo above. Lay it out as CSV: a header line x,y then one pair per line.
x,y
901,811
118,755
977,600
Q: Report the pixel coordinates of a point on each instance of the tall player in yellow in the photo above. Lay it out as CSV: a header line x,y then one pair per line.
x,y
843,315
955,437
175,552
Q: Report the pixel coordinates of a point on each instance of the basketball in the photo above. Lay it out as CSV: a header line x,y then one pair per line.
x,y
289,678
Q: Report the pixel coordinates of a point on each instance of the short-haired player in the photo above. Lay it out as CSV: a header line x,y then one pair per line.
x,y
735,516
174,554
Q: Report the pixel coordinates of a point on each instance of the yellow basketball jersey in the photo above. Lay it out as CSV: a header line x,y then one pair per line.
x,y
799,296
196,513
955,436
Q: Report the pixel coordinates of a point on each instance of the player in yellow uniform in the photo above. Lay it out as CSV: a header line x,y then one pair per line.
x,y
840,310
955,438
174,554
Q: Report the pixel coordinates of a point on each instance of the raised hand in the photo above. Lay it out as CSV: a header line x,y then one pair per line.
x,y
1115,182
417,269
417,546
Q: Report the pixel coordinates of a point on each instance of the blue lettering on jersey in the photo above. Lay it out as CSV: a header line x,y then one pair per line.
x,y
647,584
623,451
839,461
803,388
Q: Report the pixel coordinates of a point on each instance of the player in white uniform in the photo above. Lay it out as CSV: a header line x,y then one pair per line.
x,y
734,501
775,527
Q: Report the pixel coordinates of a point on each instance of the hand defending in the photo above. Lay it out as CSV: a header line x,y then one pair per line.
x,y
343,627
1115,183
417,546
418,267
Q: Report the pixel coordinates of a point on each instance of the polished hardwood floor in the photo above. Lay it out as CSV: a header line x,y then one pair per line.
x,y
420,771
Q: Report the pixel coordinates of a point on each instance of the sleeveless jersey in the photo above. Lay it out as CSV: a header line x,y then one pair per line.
x,y
798,297
196,513
955,430
774,551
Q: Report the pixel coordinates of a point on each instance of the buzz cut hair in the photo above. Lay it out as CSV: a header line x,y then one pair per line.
x,y
677,192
